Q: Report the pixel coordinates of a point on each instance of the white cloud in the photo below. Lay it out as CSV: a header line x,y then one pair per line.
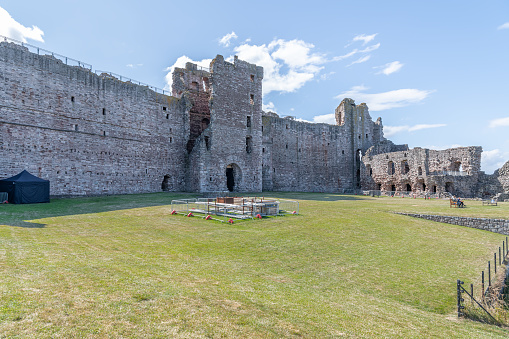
x,y
360,60
269,107
364,38
391,130
295,55
385,100
493,159
181,63
134,65
502,122
504,26
356,51
226,40
390,67
325,119
14,30
327,76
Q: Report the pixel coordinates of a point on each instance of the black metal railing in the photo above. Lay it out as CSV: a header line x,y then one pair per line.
x,y
134,82
488,293
44,52
73,62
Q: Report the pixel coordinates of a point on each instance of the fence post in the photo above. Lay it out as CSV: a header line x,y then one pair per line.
x,y
503,250
458,286
482,286
489,274
495,261
499,257
471,292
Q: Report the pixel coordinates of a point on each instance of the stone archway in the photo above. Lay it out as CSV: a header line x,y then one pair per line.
x,y
233,177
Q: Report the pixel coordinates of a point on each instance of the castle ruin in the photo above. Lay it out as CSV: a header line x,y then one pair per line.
x,y
93,134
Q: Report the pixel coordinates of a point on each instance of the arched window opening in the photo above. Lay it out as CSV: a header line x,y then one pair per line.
x,y
390,168
404,167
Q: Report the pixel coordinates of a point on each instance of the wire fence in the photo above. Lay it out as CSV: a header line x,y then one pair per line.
x,y
129,80
43,52
73,62
488,291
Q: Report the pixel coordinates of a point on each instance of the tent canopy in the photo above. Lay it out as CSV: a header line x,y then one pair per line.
x,y
25,188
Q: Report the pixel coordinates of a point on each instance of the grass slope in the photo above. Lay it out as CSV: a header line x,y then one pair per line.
x,y
345,267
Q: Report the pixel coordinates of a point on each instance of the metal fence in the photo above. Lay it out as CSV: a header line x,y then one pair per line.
x,y
134,82
46,53
73,62
226,208
485,292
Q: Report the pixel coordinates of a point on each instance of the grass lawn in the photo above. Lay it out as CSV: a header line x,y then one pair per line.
x,y
122,266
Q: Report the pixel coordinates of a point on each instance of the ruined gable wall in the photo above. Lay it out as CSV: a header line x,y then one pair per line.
x,y
423,169
236,95
301,156
87,134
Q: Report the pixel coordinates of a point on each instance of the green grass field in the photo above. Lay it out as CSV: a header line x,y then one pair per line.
x,y
123,267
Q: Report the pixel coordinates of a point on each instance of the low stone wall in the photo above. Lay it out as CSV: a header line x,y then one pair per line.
x,y
493,225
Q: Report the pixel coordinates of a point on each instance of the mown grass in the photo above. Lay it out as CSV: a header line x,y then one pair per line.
x,y
346,266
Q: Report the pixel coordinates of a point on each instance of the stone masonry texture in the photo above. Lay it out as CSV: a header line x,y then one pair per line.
x,y
493,225
93,134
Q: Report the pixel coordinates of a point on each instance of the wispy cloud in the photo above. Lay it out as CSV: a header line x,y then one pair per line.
x,y
502,122
389,68
391,130
134,65
364,38
360,60
385,100
226,40
356,51
504,26
13,29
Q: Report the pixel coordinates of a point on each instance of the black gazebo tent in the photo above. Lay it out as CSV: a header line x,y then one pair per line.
x,y
25,188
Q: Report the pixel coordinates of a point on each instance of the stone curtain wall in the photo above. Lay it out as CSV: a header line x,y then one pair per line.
x,y
301,156
493,225
87,134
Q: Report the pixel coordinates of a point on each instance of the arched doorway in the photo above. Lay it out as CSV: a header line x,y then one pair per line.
x,y
165,185
233,177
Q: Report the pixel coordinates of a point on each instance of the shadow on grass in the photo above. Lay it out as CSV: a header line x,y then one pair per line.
x,y
20,215
309,196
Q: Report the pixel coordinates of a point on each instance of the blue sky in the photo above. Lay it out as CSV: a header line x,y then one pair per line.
x,y
437,72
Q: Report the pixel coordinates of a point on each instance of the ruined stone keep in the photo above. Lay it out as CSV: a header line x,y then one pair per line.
x,y
93,134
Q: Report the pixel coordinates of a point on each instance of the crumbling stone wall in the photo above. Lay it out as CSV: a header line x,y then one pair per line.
x,y
94,134
301,156
194,84
420,170
88,134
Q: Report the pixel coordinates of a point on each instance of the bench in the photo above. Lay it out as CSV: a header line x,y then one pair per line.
x,y
489,202
454,202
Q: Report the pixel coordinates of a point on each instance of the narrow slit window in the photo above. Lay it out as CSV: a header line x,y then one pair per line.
x,y
251,99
